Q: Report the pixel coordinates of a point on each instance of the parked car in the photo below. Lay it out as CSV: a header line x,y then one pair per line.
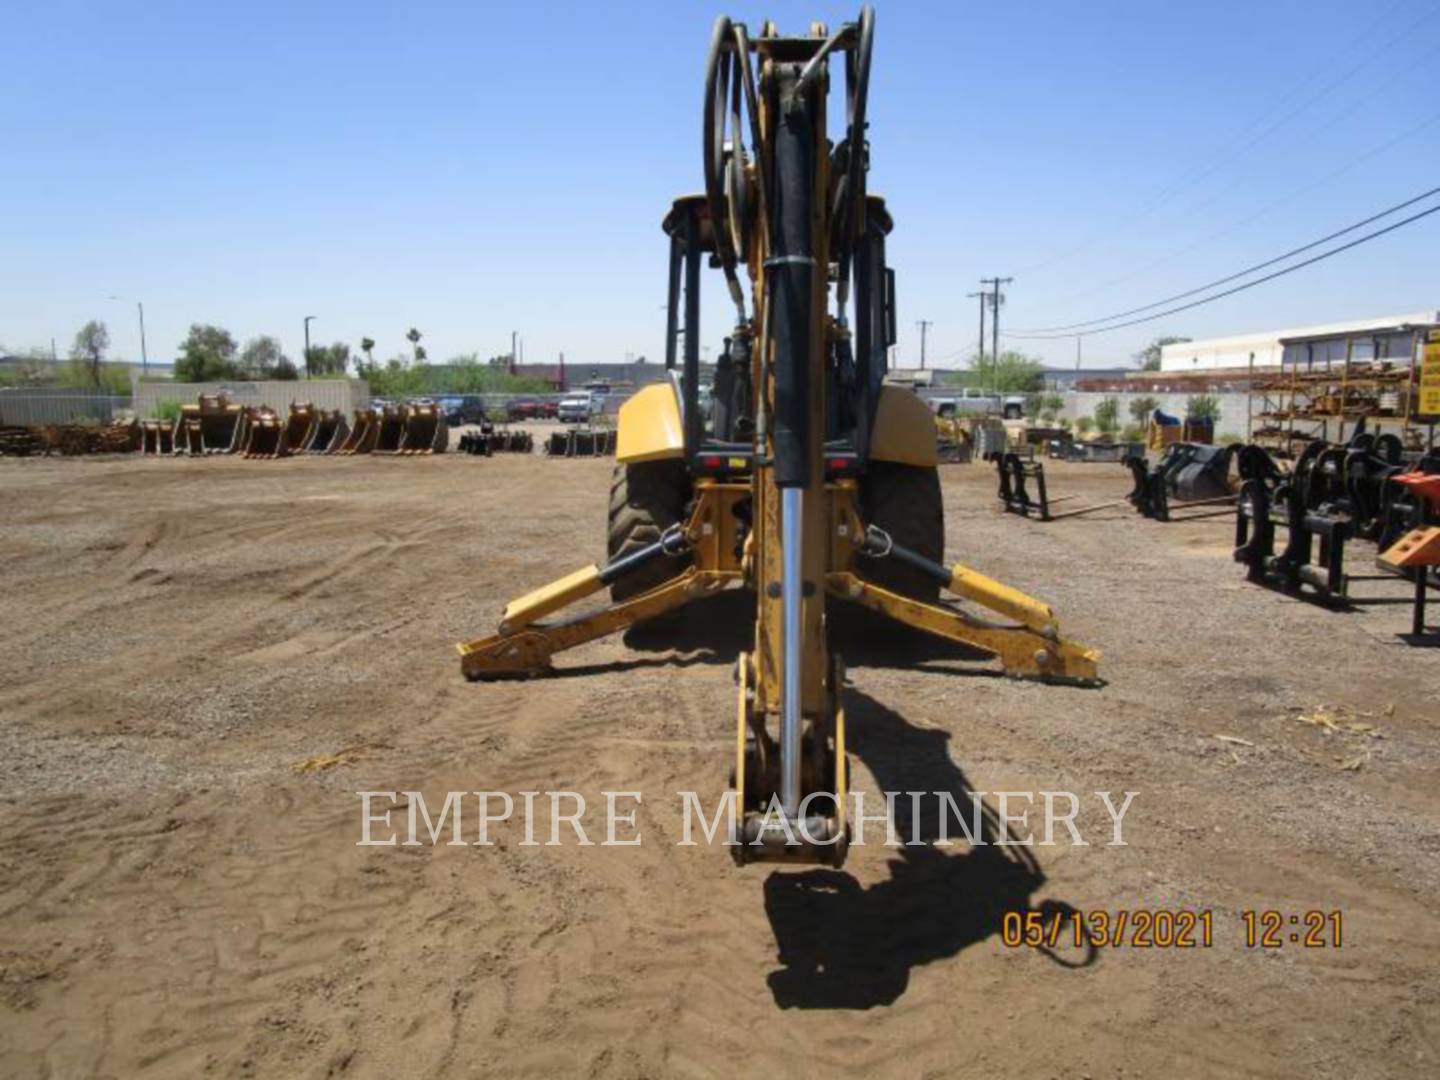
x,y
579,408
969,402
463,409
522,409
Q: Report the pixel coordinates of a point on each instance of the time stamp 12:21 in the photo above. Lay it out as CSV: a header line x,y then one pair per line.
x,y
1148,928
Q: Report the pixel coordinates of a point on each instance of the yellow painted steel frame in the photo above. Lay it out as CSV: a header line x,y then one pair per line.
x,y
523,646
1023,652
1031,647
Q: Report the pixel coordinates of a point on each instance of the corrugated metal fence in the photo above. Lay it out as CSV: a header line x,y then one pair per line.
x,y
58,405
347,395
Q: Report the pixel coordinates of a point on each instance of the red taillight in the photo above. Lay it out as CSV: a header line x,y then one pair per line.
x,y
710,461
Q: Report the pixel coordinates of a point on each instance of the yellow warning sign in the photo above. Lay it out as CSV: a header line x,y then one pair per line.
x,y
1430,376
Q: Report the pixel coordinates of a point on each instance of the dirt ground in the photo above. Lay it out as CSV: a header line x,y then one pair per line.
x,y
177,899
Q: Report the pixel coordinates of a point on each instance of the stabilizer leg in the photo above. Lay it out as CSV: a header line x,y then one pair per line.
x,y
1034,649
526,649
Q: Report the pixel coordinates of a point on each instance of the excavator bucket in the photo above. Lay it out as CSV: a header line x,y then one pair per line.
x,y
157,437
390,430
363,435
300,426
211,426
425,430
266,435
189,437
328,433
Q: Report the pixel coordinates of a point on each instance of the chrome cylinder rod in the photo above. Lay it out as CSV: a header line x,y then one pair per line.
x,y
792,503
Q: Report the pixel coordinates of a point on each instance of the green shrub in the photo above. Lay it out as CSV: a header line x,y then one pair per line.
x,y
1202,406
167,409
1107,415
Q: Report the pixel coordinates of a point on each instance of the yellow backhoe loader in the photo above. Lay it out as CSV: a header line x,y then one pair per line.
x,y
807,480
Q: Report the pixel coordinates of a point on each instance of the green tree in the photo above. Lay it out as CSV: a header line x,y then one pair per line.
x,y
367,346
1084,424
1107,415
328,359
285,370
206,355
260,356
1203,407
1141,408
1013,373
114,378
413,336
89,348
1148,358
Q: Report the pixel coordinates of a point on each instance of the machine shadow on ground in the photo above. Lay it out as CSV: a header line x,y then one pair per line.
x,y
842,946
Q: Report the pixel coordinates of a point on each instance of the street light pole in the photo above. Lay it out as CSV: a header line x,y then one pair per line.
x,y
307,345
513,335
144,356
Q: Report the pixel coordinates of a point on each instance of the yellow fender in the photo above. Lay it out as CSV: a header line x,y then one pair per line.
x,y
904,430
650,428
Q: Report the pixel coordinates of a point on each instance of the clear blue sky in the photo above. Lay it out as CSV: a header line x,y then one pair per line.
x,y
475,169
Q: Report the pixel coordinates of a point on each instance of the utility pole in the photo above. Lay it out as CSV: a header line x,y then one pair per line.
x,y
513,335
924,325
307,345
996,299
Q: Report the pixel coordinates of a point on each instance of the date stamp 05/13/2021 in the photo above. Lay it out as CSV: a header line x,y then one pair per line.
x,y
1185,928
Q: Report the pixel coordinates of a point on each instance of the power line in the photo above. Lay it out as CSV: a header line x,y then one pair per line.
x,y
1191,178
1247,285
1288,199
1238,274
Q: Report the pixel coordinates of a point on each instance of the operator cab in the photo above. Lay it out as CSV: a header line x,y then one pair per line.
x,y
719,439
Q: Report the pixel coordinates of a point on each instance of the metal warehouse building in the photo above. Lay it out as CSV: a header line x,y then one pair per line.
x,y
1267,350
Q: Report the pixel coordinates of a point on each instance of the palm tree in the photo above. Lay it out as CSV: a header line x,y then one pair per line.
x,y
413,336
367,346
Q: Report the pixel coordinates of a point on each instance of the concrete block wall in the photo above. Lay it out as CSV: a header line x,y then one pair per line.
x,y
1232,418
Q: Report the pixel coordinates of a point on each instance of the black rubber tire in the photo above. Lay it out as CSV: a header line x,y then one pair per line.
x,y
905,501
645,500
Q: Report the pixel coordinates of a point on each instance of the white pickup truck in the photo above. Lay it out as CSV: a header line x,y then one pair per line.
x,y
580,408
969,402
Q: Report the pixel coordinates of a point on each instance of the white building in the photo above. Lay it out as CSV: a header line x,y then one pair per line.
x,y
1265,349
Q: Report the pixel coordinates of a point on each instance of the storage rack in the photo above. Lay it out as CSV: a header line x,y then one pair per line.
x,y
1310,398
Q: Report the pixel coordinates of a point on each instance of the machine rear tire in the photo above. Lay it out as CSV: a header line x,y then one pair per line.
x,y
905,501
645,500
